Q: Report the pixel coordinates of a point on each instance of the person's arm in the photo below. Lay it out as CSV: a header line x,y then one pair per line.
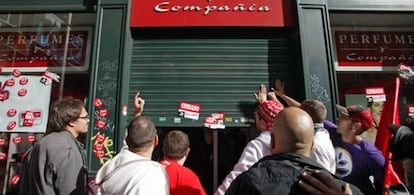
x,y
377,161
250,155
242,185
320,183
139,103
68,170
279,90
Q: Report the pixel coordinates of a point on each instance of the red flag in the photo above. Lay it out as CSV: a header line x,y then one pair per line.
x,y
390,115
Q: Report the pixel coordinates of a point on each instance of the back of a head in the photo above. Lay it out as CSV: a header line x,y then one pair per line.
x,y
141,133
316,109
292,132
62,112
175,145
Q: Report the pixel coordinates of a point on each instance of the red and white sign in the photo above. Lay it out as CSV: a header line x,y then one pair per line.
x,y
24,102
373,48
411,111
375,94
215,121
30,118
189,110
156,13
37,50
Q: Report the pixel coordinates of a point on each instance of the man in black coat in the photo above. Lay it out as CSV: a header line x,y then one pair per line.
x,y
281,172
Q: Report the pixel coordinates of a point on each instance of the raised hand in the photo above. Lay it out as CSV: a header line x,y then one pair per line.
x,y
279,87
261,95
138,104
320,183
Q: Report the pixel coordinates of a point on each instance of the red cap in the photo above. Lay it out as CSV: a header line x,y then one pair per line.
x,y
358,114
267,110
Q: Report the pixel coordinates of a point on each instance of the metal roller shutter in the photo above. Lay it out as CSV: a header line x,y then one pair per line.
x,y
219,74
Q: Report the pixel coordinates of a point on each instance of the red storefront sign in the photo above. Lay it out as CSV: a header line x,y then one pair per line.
x,y
153,13
374,48
45,49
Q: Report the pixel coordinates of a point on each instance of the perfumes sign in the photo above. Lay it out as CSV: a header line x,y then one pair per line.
x,y
46,49
374,48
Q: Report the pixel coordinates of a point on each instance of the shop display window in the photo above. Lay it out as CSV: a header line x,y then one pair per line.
x,y
43,57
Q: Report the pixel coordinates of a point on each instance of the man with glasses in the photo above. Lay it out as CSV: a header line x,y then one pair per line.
x,y
358,161
57,163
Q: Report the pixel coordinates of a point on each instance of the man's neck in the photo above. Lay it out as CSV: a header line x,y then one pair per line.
x,y
351,138
72,132
146,153
179,161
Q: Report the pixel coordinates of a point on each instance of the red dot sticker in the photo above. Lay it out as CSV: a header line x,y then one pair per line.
x,y
15,179
3,156
3,141
97,102
17,140
22,92
11,125
24,81
11,112
100,124
98,146
100,138
16,73
100,153
31,138
10,82
103,113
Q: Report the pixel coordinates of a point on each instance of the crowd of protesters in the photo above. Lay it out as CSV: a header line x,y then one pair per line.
x,y
297,152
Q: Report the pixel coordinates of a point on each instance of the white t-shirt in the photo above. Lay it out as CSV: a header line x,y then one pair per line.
x,y
141,177
323,151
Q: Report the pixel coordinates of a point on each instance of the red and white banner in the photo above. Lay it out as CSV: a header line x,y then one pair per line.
x,y
390,116
156,13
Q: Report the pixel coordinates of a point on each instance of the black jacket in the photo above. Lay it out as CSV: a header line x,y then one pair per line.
x,y
278,174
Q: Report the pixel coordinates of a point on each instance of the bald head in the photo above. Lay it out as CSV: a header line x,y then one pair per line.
x,y
292,132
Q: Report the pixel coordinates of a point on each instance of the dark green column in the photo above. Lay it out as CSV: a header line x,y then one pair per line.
x,y
106,82
316,46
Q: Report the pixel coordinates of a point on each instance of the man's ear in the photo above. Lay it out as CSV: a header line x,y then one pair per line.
x,y
313,143
156,140
357,127
272,141
262,123
187,152
71,124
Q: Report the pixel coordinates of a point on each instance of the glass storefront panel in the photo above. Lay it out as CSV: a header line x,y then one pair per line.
x,y
368,50
43,57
